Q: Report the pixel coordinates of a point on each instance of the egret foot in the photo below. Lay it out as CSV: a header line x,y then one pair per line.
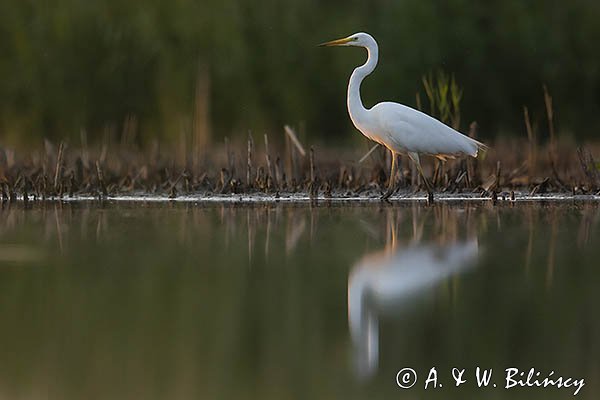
x,y
392,181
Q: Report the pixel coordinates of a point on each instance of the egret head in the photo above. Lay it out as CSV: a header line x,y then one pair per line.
x,y
359,39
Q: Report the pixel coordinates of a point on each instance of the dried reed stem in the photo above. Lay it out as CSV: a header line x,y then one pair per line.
x,y
269,167
58,169
101,179
363,158
312,164
249,161
550,115
292,135
200,122
532,154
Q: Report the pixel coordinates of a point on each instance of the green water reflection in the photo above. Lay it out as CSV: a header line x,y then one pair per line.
x,y
179,301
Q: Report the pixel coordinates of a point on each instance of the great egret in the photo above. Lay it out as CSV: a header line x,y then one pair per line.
x,y
403,130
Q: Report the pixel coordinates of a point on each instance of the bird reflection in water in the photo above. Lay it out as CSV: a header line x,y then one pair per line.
x,y
386,282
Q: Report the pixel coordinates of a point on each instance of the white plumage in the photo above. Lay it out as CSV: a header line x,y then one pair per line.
x,y
407,130
403,130
388,282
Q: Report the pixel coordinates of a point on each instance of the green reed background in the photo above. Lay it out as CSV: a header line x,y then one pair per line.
x,y
215,68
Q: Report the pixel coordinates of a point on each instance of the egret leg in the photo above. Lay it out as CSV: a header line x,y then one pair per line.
x,y
415,158
392,180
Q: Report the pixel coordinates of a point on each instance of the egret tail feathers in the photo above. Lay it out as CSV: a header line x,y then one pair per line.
x,y
480,147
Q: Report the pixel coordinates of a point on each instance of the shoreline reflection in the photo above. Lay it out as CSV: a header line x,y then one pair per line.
x,y
387,282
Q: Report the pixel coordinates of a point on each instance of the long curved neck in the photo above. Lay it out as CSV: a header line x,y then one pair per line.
x,y
355,106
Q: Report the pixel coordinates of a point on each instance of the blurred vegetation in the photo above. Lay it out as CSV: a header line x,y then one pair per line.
x,y
223,67
444,97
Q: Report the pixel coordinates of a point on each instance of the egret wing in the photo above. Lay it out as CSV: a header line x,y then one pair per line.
x,y
410,130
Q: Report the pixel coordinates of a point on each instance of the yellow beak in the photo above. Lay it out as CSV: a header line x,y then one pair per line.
x,y
338,42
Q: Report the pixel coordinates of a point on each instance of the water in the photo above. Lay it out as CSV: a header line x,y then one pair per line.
x,y
134,300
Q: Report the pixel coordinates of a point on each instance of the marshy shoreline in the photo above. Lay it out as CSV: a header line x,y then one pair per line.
x,y
260,171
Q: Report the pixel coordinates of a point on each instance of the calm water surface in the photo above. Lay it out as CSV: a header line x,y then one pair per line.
x,y
182,301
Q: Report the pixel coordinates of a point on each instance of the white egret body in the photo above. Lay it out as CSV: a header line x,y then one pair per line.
x,y
403,130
